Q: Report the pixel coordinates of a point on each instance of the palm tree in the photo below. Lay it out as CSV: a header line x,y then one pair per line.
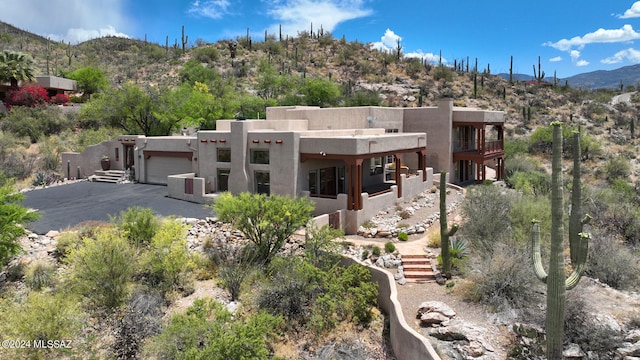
x,y
14,67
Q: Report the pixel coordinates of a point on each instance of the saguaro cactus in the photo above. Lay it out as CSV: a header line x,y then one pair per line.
x,y
445,231
556,282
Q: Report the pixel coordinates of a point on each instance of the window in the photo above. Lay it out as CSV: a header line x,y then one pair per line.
x,y
391,130
259,156
224,155
262,182
327,181
223,180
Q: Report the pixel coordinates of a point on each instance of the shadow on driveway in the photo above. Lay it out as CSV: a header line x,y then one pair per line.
x,y
64,206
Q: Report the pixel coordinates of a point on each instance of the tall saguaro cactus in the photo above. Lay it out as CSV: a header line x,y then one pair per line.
x,y
556,282
445,231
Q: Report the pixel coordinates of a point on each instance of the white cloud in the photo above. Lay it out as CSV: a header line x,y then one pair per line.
x,y
575,54
429,57
213,9
582,63
632,12
556,59
626,33
298,15
387,42
68,20
632,55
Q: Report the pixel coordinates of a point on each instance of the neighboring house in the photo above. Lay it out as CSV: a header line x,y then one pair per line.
x,y
352,162
53,84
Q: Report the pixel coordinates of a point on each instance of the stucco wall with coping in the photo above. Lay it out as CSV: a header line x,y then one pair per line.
x,y
176,188
413,185
362,144
407,343
342,118
326,205
88,161
475,115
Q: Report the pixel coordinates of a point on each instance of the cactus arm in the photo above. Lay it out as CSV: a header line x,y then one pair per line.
x,y
576,275
538,269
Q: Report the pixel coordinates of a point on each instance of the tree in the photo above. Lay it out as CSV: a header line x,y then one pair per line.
x,y
189,105
90,80
266,221
12,217
15,67
320,92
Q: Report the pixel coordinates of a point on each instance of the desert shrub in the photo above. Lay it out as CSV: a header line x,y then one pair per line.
x,y
39,275
530,183
617,168
305,294
375,250
486,209
525,208
67,241
137,321
42,316
365,254
320,247
166,264
590,333
291,288
614,213
514,147
613,263
403,236
207,54
504,280
433,240
208,331
234,264
102,268
389,248
139,225
35,122
12,218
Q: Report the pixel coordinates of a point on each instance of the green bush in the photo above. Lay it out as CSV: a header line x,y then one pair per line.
x,y
13,216
67,241
617,168
167,261
320,247
234,264
403,236
208,331
266,221
389,248
206,54
102,269
375,250
365,254
39,275
42,316
139,225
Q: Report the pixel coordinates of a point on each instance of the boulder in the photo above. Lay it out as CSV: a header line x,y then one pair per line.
x,y
573,351
429,319
435,307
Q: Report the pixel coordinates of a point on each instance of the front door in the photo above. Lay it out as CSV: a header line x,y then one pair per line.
x,y
129,157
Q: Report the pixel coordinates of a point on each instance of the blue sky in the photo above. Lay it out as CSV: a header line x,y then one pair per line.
x,y
571,37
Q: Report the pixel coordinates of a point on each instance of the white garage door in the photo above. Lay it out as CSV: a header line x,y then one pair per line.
x,y
157,168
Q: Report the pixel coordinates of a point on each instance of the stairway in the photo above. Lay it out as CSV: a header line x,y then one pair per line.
x,y
109,176
417,268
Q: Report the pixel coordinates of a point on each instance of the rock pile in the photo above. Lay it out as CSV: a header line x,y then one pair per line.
x,y
456,338
389,223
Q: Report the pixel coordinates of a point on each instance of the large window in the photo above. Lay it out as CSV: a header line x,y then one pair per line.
x,y
327,181
223,179
224,155
259,156
262,182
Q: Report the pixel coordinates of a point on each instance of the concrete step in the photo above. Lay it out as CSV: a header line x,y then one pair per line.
x,y
417,268
109,176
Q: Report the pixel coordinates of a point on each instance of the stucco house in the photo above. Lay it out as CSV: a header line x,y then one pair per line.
x,y
351,162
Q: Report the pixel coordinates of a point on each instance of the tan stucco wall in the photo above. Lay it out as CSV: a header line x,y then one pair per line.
x,y
437,123
187,144
342,118
407,343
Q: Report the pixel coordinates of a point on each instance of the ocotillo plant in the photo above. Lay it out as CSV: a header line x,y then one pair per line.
x,y
445,231
556,282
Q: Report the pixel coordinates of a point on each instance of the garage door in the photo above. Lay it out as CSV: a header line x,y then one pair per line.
x,y
158,167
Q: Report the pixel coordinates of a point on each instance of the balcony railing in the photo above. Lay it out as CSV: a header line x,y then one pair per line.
x,y
490,147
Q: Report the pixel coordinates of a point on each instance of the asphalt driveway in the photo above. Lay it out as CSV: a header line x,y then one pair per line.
x,y
64,206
